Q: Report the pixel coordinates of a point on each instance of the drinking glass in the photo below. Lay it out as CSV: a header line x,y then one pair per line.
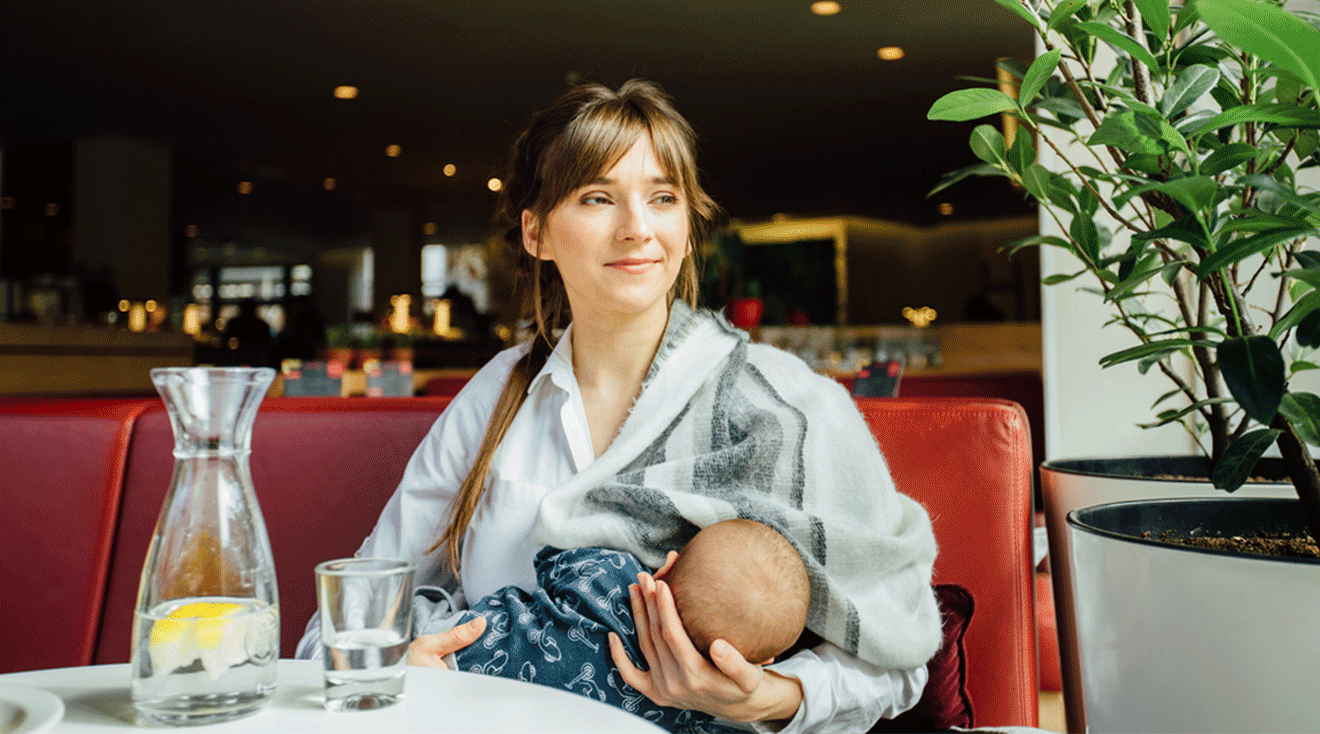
x,y
366,623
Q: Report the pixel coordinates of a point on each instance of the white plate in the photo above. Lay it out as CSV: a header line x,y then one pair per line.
x,y
25,710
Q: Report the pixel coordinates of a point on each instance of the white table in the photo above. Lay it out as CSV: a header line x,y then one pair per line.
x,y
96,699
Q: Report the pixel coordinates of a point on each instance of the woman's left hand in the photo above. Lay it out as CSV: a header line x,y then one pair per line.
x,y
679,676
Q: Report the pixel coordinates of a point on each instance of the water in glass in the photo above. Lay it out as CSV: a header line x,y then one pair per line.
x,y
364,669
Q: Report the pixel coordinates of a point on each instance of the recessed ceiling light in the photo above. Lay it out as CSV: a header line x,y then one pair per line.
x,y
890,53
245,187
393,151
450,169
494,184
346,91
328,184
825,7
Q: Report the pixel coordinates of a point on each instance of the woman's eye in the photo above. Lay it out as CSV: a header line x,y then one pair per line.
x,y
666,199
595,199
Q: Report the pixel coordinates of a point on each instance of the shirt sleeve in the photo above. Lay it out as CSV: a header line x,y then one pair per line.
x,y
841,693
416,513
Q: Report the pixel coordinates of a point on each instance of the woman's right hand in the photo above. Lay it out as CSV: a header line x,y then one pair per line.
x,y
429,651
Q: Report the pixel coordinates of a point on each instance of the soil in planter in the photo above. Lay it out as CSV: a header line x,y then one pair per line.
x,y
1264,544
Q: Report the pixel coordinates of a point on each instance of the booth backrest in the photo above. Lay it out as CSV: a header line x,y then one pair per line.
x,y
322,470
61,473
89,482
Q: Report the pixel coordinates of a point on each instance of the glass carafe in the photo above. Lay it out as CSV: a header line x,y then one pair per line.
x,y
206,634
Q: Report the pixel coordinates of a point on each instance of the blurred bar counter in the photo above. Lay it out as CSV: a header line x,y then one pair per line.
x,y
947,349
85,360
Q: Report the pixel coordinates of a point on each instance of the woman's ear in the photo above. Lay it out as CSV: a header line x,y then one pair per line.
x,y
531,236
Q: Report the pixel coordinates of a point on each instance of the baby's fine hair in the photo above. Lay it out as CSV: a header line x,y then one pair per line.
x,y
743,582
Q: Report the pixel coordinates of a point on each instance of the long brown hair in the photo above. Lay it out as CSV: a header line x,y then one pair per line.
x,y
572,142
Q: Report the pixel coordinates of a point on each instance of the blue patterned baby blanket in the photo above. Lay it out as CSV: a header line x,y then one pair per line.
x,y
556,636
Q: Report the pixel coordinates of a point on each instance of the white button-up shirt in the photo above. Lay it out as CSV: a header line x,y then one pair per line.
x,y
547,443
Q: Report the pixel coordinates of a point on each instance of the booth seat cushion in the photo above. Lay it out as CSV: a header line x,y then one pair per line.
x,y
322,470
61,469
945,702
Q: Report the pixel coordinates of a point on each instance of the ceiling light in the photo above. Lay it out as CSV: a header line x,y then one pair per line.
x,y
946,208
328,184
825,7
245,187
393,151
450,169
890,53
346,92
494,184
429,229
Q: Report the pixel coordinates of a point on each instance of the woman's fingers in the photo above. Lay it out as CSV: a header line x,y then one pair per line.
x,y
430,650
631,674
730,662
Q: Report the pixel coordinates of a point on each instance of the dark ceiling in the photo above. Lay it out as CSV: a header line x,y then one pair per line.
x,y
795,112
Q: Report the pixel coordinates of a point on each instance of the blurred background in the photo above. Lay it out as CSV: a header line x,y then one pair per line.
x,y
171,172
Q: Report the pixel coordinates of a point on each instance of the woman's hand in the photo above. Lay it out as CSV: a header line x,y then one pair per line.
x,y
679,676
429,651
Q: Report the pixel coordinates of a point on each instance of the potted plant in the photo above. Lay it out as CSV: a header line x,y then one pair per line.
x,y
1178,133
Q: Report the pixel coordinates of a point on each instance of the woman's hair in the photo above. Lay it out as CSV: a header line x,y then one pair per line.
x,y
566,146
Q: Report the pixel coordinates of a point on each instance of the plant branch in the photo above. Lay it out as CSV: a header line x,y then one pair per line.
x,y
1286,150
1087,183
1140,76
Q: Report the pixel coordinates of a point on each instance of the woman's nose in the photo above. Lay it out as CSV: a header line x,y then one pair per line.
x,y
635,223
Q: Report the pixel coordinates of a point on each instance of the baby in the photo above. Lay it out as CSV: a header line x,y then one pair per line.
x,y
736,580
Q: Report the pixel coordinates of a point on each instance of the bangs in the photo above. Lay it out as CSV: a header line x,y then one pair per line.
x,y
594,142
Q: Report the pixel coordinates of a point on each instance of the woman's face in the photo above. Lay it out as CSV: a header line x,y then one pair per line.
x,y
618,242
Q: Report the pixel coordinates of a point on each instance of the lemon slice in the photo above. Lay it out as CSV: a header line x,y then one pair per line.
x,y
213,632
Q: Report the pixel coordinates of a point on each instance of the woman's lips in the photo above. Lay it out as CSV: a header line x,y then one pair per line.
x,y
635,266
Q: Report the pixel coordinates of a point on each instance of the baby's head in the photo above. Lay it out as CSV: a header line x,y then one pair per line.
x,y
743,582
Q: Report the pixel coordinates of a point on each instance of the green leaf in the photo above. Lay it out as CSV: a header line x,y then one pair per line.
x,y
1120,130
1302,409
1159,128
1193,83
1113,36
1245,247
1182,230
1020,11
1155,13
1258,221
1036,179
1012,247
1186,17
1060,278
1170,416
1162,346
1237,463
1087,237
988,145
1037,75
1308,329
1193,192
1288,115
1143,274
1022,155
1252,367
953,177
1302,366
1012,66
1228,157
1301,310
1269,32
1062,12
969,104
1276,187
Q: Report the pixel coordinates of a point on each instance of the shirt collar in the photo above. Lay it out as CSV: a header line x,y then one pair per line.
x,y
558,366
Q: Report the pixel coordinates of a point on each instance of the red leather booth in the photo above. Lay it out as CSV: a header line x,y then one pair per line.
x,y
85,480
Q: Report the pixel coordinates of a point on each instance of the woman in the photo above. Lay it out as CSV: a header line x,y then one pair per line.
x,y
647,420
